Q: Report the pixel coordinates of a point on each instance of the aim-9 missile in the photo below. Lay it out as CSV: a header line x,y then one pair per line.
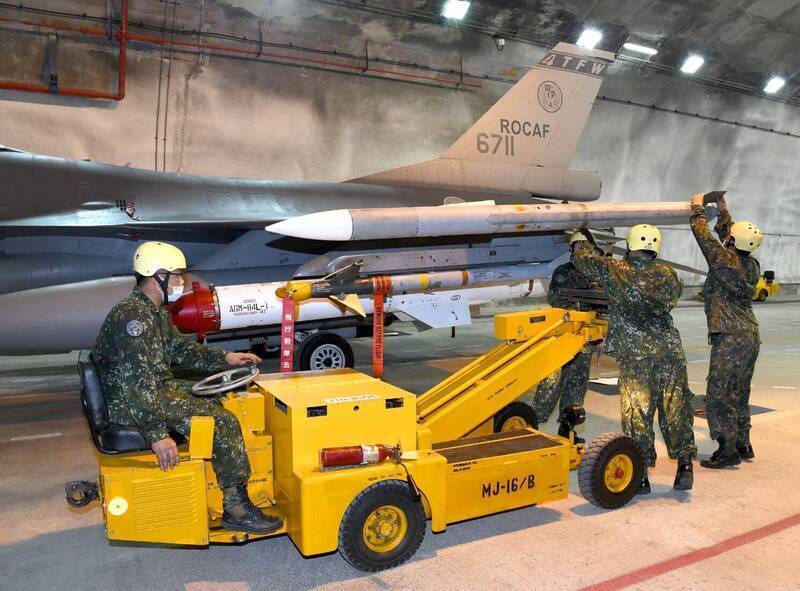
x,y
344,287
212,309
465,219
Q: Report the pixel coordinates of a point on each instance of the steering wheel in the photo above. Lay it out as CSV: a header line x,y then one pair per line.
x,y
225,381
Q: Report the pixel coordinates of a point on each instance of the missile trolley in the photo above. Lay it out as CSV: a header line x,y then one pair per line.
x,y
350,462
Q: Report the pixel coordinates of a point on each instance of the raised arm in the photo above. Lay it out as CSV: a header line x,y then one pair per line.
x,y
593,267
712,249
724,221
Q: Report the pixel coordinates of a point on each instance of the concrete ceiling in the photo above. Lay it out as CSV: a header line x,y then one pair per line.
x,y
744,42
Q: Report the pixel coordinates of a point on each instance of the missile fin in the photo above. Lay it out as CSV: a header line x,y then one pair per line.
x,y
350,302
438,314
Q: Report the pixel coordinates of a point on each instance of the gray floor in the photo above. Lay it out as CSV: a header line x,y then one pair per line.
x,y
565,545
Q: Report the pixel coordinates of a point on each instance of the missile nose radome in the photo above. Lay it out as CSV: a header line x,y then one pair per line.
x,y
195,312
336,224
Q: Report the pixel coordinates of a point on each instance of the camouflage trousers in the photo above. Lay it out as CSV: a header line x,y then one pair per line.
x,y
228,456
733,359
566,386
657,384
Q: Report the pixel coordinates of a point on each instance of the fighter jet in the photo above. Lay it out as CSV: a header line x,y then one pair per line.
x,y
68,228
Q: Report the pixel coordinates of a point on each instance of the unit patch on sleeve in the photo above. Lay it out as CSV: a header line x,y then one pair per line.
x,y
134,328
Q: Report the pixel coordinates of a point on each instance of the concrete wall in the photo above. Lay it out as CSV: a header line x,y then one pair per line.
x,y
261,120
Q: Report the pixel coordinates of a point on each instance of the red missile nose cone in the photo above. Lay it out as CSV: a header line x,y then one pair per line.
x,y
195,312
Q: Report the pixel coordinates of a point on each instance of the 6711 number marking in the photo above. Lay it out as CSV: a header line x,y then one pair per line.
x,y
491,143
509,485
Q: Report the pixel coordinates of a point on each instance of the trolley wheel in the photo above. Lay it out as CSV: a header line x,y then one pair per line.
x,y
762,295
516,415
611,470
382,528
325,350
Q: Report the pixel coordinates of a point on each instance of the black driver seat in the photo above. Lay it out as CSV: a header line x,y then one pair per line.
x,y
109,438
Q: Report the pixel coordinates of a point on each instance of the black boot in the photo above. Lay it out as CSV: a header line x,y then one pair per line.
x,y
684,477
745,449
725,456
564,431
240,514
644,486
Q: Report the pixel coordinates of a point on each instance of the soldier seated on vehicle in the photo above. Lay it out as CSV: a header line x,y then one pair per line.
x,y
566,386
134,352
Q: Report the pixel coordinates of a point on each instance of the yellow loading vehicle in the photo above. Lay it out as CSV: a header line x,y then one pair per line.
x,y
350,462
766,287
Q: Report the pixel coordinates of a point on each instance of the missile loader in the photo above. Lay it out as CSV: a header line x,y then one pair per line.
x,y
350,462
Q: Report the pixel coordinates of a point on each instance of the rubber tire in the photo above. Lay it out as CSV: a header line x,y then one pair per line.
x,y
319,339
591,473
762,296
351,543
515,409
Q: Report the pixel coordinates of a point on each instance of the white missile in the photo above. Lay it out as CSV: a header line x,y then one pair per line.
x,y
466,220
248,306
437,299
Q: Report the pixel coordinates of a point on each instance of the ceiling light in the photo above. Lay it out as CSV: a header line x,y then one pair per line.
x,y
692,64
639,48
455,9
774,85
589,38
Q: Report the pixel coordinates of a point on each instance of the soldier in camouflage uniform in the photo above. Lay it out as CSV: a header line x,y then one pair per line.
x,y
732,328
566,386
134,352
641,292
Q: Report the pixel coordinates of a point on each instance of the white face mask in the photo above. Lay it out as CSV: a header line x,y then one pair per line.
x,y
175,292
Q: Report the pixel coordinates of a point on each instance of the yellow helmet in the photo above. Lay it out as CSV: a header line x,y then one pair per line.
x,y
152,257
746,236
644,237
578,236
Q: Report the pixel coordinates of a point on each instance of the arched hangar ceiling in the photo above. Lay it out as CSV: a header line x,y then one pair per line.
x,y
744,42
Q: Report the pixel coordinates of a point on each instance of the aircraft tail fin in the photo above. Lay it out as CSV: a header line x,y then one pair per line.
x,y
539,121
524,143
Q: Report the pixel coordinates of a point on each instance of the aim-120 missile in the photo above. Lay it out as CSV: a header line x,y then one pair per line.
x,y
465,219
212,309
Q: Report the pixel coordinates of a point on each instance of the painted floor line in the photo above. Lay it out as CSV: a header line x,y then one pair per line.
x,y
39,436
678,562
784,388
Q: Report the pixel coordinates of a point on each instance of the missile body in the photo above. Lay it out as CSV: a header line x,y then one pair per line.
x,y
438,299
466,220
430,281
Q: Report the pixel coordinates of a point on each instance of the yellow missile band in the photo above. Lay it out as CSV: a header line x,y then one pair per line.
x,y
424,281
299,291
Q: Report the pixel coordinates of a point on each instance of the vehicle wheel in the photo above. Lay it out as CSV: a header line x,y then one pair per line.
x,y
325,350
762,295
516,415
611,470
382,527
